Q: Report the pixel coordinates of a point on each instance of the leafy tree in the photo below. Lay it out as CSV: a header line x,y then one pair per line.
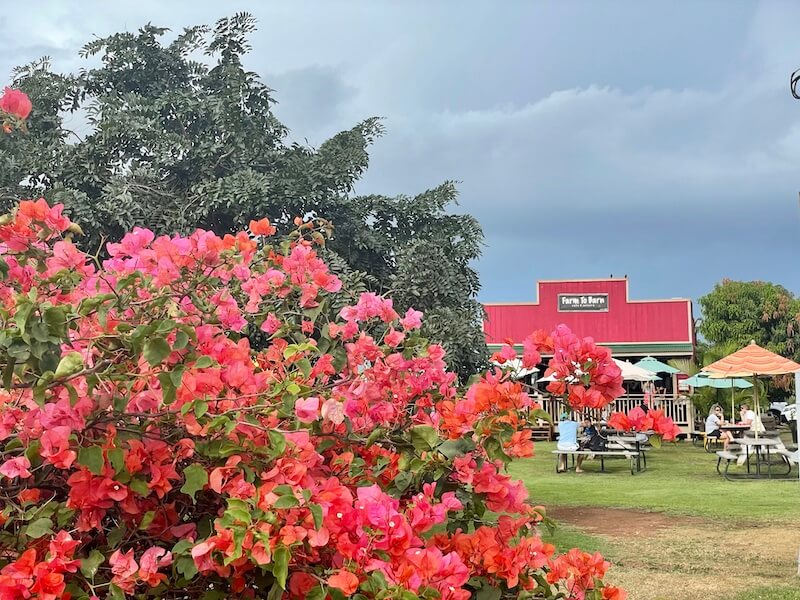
x,y
736,312
147,450
175,143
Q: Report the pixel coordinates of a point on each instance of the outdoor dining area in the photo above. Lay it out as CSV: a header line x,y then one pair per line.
x,y
753,447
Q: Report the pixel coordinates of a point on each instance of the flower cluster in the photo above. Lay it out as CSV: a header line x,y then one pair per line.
x,y
654,420
15,106
191,414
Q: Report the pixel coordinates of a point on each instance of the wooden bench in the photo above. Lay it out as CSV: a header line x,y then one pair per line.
x,y
542,433
629,454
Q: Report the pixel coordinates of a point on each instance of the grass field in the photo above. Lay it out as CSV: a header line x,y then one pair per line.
x,y
677,531
680,480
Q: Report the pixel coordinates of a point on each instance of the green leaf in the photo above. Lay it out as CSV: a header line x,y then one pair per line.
x,y
196,479
156,349
424,437
147,520
287,501
115,593
316,593
56,319
373,437
69,365
116,456
140,487
90,564
540,413
40,527
181,340
8,372
182,546
494,450
280,565
186,567
277,442
488,592
402,480
203,362
655,441
91,457
454,448
316,512
200,408
167,387
114,538
24,311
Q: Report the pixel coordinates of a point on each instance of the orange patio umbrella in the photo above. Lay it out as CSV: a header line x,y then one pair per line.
x,y
752,361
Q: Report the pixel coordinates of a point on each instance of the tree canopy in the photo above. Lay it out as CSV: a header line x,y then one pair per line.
x,y
736,312
175,143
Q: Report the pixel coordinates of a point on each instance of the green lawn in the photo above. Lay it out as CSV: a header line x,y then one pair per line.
x,y
680,479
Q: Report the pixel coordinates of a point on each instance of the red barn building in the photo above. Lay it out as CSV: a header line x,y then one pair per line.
x,y
602,309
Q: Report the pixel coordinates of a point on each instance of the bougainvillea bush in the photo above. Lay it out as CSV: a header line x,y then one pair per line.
x,y
148,451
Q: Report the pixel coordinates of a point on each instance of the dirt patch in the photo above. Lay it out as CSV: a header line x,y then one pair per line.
x,y
663,557
617,522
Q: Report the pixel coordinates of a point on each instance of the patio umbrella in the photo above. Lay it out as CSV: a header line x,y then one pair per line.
x,y
656,366
514,366
752,361
630,372
703,380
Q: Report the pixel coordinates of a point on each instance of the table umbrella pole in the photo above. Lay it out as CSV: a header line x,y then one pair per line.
x,y
733,403
755,398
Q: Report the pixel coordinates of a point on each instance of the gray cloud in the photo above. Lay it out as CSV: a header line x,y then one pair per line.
x,y
656,140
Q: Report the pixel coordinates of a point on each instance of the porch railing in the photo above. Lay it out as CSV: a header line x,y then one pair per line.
x,y
680,409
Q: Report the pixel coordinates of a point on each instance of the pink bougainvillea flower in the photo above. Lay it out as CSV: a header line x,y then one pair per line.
x,y
411,320
333,410
307,409
394,338
16,467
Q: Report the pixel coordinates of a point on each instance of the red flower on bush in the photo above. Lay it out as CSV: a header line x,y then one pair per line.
x,y
637,420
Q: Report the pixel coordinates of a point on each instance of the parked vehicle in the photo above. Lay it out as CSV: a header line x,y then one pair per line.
x,y
784,412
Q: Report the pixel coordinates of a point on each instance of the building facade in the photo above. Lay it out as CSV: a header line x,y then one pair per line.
x,y
602,309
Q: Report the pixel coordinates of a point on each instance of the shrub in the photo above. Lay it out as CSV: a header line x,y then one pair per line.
x,y
146,450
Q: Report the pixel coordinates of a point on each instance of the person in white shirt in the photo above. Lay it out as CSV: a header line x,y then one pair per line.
x,y
750,419
748,416
713,424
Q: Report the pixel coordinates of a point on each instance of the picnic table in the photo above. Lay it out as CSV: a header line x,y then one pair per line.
x,y
625,444
761,448
734,429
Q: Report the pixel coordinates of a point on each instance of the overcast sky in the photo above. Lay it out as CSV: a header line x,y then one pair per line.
x,y
653,139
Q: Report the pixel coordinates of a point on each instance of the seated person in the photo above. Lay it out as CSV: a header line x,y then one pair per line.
x,y
591,440
567,440
713,424
747,416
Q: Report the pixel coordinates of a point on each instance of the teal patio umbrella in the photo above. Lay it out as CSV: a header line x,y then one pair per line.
x,y
703,380
656,366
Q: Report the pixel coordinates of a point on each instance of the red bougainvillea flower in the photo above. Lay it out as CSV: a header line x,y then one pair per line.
x,y
15,103
345,581
654,420
262,227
